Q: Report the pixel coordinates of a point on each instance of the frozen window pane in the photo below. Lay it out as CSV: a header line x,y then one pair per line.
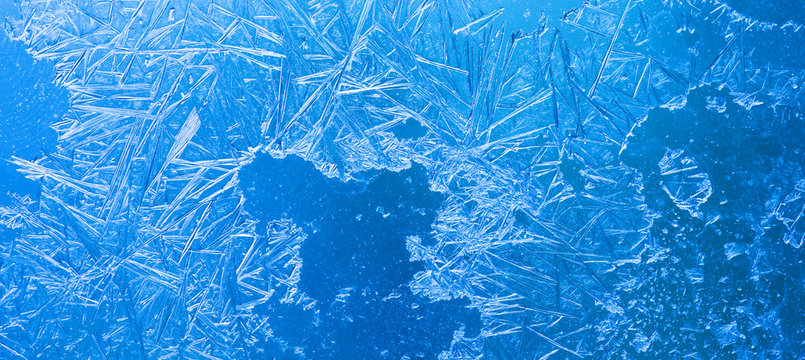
x,y
458,179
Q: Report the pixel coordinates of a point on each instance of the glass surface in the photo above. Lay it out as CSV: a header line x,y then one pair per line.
x,y
395,179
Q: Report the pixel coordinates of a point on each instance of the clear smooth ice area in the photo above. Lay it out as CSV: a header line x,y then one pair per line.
x,y
402,179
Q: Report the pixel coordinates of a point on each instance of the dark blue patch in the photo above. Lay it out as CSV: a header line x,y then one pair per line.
x,y
749,154
409,129
776,11
29,103
356,246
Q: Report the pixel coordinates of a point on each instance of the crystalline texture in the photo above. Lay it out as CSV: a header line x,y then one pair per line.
x,y
542,128
791,212
354,263
683,181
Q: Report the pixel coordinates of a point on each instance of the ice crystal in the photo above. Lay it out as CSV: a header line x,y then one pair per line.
x,y
230,179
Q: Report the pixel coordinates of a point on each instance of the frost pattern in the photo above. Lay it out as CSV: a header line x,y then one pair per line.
x,y
543,129
791,212
355,268
683,181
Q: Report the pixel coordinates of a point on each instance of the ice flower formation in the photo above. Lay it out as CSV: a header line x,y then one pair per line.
x,y
402,179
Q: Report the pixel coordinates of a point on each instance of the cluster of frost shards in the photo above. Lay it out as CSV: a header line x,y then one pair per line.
x,y
621,179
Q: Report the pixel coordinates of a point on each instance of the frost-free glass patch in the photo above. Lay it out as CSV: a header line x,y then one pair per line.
x,y
427,179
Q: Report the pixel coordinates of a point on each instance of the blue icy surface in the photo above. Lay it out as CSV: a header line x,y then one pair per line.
x,y
354,262
29,103
364,179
